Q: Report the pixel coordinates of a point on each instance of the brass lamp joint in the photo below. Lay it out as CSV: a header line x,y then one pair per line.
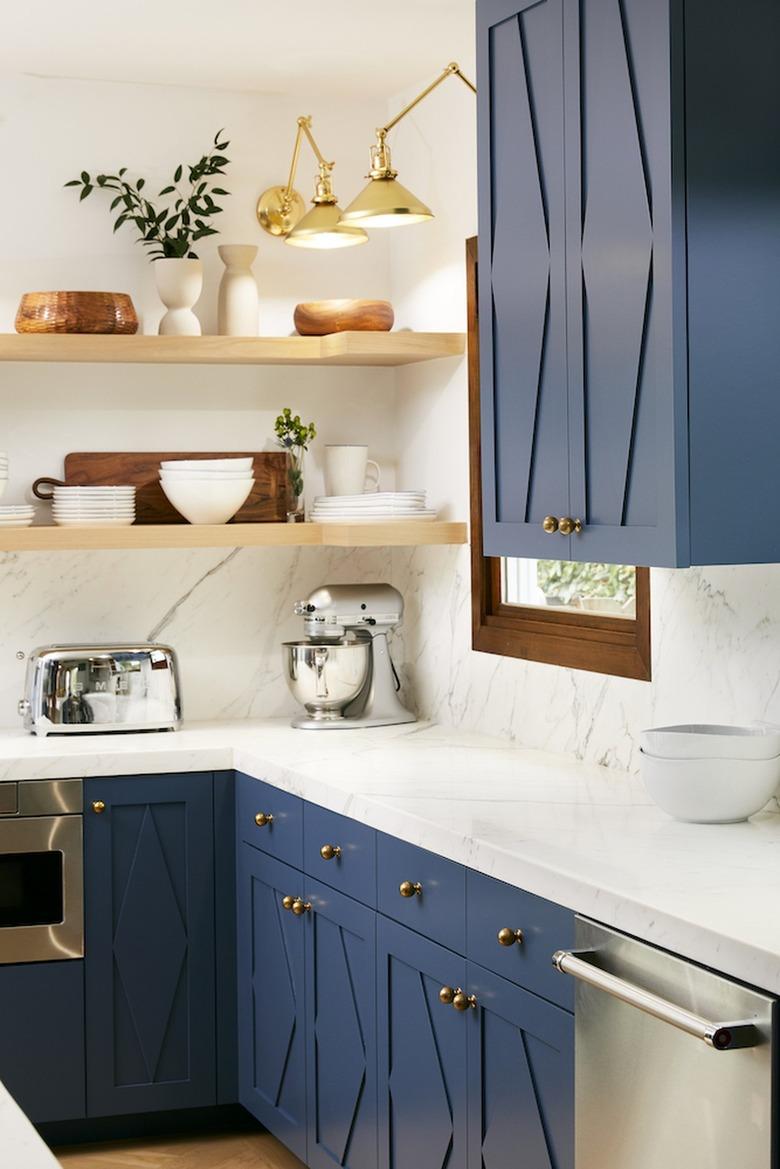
x,y
381,164
323,189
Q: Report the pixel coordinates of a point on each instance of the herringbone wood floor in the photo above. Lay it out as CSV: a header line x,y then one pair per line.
x,y
241,1150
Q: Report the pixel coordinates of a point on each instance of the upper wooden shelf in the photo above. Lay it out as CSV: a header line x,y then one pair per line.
x,y
402,533
402,348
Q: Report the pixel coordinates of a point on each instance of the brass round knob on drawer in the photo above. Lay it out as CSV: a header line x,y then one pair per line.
x,y
463,1001
299,907
263,818
446,995
550,524
566,525
508,937
410,889
330,852
288,902
98,806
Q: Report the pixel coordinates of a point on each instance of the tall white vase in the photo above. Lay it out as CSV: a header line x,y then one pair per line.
x,y
238,306
179,284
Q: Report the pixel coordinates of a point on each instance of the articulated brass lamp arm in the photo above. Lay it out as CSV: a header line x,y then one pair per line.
x,y
324,192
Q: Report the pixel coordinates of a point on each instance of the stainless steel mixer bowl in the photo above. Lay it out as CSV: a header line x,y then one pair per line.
x,y
326,678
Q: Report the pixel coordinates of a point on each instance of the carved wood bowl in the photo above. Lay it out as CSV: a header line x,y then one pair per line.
x,y
316,318
76,312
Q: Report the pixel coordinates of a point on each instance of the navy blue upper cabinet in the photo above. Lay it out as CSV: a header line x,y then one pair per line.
x,y
629,278
149,966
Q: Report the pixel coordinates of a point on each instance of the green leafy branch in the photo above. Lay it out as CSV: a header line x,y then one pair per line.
x,y
168,232
294,436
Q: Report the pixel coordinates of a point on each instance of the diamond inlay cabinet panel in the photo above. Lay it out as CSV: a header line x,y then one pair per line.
x,y
149,916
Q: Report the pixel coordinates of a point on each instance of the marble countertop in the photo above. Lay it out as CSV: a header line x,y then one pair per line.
x,y
584,836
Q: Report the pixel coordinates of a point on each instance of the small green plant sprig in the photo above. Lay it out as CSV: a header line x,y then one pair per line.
x,y
294,436
169,232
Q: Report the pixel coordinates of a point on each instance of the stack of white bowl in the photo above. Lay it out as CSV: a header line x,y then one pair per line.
x,y
94,507
711,774
207,491
3,471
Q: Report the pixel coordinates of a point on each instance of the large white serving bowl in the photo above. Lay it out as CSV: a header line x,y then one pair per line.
x,y
204,476
711,741
710,791
207,464
208,503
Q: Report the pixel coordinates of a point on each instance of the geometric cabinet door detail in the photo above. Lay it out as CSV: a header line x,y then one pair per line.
x,y
149,968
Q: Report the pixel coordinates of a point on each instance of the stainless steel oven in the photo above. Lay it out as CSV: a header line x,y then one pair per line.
x,y
41,870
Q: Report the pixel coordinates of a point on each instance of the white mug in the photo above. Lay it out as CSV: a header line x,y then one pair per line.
x,y
349,471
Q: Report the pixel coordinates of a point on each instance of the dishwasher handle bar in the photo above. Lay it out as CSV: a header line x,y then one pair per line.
x,y
720,1036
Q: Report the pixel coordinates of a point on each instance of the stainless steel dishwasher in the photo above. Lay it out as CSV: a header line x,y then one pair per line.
x,y
674,1064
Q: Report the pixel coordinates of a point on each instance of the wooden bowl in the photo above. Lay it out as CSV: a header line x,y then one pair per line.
x,y
316,318
76,312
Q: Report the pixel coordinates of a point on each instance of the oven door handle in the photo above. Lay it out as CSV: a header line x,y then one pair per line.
x,y
719,1036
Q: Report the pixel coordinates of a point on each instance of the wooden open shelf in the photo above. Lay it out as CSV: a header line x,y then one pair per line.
x,y
395,534
401,348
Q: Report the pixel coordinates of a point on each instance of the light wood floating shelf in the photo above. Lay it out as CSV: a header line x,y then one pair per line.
x,y
395,534
402,348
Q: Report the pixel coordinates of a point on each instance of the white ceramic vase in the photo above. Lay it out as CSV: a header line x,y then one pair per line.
x,y
238,306
179,284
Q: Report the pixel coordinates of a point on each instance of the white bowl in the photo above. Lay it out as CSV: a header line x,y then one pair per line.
x,y
208,503
710,791
711,741
207,464
204,476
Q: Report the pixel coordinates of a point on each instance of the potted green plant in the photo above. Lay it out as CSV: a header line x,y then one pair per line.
x,y
294,436
169,231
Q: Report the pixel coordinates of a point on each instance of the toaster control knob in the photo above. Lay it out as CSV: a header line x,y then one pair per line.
x,y
24,707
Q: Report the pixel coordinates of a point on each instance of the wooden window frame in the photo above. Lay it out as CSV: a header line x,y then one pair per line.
x,y
579,641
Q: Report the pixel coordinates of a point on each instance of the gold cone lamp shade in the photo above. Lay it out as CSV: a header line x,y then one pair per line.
x,y
385,203
321,228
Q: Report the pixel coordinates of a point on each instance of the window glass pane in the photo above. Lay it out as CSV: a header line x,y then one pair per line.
x,y
606,589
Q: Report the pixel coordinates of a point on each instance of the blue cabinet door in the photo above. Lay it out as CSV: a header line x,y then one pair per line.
x,y
422,1053
522,279
271,1040
341,1057
149,966
521,1078
42,1039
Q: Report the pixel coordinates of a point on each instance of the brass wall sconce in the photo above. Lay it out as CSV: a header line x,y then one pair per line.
x,y
281,210
385,202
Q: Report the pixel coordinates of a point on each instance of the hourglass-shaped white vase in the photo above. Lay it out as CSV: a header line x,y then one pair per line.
x,y
238,305
179,284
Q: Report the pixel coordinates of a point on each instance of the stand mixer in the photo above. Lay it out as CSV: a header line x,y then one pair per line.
x,y
343,673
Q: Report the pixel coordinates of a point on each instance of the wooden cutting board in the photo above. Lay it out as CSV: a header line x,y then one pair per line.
x,y
268,502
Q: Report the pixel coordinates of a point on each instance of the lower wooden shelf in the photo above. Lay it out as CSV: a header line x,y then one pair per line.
x,y
396,534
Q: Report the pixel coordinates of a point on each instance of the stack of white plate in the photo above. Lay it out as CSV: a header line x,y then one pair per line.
x,y
376,507
207,491
3,471
17,517
94,507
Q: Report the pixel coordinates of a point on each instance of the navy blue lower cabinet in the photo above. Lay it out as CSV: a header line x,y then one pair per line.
x,y
341,1059
422,1053
521,1078
271,1032
149,919
42,1039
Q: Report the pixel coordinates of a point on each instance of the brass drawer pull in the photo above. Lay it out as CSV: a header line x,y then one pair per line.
x,y
263,818
299,907
508,937
550,524
455,996
330,852
566,526
98,806
287,902
410,889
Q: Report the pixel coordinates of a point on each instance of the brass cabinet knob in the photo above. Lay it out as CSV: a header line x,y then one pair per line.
x,y
566,525
410,889
98,806
550,524
446,995
330,852
263,818
463,1001
288,902
508,937
300,907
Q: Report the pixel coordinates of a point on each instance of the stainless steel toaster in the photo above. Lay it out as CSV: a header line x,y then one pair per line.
x,y
101,689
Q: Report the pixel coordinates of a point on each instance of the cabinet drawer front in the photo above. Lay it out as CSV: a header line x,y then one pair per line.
x,y
282,835
493,906
349,860
437,904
